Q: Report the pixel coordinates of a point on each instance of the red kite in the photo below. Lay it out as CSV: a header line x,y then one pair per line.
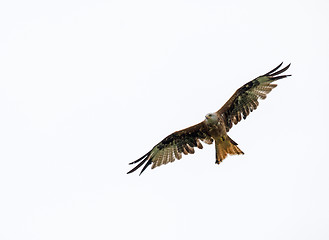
x,y
215,126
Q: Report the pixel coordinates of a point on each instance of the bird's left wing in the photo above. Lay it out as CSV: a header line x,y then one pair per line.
x,y
172,147
245,99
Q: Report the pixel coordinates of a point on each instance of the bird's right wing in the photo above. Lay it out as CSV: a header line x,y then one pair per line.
x,y
172,147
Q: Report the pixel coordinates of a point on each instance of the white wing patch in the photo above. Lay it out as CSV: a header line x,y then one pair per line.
x,y
171,153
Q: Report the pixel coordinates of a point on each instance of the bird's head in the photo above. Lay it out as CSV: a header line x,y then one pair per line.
x,y
212,118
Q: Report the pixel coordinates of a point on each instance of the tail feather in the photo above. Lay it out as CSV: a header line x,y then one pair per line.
x,y
225,145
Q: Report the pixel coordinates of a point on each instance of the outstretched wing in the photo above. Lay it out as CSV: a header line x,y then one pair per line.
x,y
172,147
245,99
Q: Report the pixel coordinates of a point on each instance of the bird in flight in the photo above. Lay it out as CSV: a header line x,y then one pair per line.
x,y
215,126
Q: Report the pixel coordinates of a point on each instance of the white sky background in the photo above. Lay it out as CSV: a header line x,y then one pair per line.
x,y
89,86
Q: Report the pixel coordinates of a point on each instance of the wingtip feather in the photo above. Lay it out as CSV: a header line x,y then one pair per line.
x,y
140,159
136,167
143,159
274,69
145,166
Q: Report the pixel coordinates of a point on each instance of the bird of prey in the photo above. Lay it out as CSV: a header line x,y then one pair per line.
x,y
215,126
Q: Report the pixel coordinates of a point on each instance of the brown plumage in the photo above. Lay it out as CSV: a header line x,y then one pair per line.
x,y
214,127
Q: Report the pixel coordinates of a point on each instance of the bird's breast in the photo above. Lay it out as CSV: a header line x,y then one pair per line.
x,y
216,131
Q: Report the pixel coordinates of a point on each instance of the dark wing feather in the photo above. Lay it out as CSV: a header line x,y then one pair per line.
x,y
172,147
245,99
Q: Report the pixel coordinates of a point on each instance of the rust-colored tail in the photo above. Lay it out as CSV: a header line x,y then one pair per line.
x,y
225,145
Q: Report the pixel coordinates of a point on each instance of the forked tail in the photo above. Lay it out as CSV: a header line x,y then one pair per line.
x,y
225,145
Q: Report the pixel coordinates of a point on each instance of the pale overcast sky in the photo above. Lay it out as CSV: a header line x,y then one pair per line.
x,y
89,86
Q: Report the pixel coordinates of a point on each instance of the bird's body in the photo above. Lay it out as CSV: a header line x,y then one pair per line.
x,y
215,126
